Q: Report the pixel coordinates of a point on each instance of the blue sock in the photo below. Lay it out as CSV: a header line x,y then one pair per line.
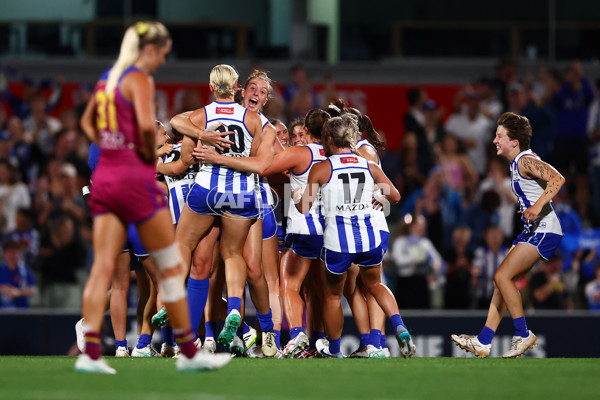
x,y
265,321
245,328
278,339
167,334
295,332
233,303
486,335
197,293
210,327
143,341
383,343
314,336
521,327
375,337
397,322
121,343
364,340
334,345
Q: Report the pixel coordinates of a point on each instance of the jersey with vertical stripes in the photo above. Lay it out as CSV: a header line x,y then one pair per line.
x,y
265,188
379,221
179,185
528,191
347,198
313,222
219,177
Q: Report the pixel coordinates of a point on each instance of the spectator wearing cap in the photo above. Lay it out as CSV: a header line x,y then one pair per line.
x,y
26,235
13,196
17,282
434,131
472,127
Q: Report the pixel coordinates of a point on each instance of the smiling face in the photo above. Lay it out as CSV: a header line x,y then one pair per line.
x,y
298,136
505,146
255,95
282,134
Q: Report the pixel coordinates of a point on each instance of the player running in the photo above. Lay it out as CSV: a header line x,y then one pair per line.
x,y
535,183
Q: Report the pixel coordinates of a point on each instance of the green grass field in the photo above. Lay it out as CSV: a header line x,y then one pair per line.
x,y
50,378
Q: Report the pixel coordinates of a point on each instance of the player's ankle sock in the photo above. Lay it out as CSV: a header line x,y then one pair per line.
x,y
209,329
121,343
185,340
382,342
295,332
265,321
397,322
486,335
143,341
314,336
520,327
245,328
167,334
334,345
233,303
278,339
92,345
197,293
375,337
364,339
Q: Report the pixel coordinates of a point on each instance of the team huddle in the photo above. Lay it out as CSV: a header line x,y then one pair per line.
x,y
299,226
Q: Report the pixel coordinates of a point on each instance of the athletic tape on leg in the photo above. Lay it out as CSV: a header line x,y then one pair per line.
x,y
171,289
167,257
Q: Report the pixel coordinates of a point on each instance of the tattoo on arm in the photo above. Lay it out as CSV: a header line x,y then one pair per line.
x,y
539,169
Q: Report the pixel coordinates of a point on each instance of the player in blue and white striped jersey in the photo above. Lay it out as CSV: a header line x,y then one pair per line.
x,y
230,194
263,266
304,232
347,184
534,183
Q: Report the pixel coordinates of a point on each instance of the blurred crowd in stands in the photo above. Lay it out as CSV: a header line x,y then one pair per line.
x,y
456,220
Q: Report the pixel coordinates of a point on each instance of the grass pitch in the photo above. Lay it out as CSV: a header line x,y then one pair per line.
x,y
49,378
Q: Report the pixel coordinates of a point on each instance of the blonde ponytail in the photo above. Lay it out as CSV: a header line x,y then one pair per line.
x,y
136,37
222,79
130,50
